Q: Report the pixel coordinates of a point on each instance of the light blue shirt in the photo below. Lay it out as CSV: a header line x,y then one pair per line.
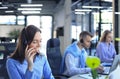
x,y
71,64
105,52
41,69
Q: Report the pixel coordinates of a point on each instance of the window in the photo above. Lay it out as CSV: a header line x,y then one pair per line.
x,y
8,19
2,48
21,20
45,24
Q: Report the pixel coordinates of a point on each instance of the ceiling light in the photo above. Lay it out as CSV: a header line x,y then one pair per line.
x,y
80,13
111,7
30,12
29,9
0,2
31,5
98,7
95,13
3,7
108,0
9,11
106,10
84,10
117,13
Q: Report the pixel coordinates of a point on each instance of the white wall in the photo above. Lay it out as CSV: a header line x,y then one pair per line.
x,y
59,18
63,19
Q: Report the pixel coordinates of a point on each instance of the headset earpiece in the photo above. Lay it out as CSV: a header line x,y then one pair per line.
x,y
25,37
25,42
81,40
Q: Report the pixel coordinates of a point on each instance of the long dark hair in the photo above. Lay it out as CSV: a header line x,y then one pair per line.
x,y
25,38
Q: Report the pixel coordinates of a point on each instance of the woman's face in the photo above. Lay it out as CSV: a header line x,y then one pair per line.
x,y
109,38
36,43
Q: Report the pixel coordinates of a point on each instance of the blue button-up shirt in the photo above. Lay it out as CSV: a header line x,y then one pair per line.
x,y
72,61
41,69
105,52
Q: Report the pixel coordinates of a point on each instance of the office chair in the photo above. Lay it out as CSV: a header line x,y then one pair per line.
x,y
3,57
5,50
10,47
54,57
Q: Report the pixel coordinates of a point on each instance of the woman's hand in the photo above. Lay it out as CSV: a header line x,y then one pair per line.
x,y
29,56
100,69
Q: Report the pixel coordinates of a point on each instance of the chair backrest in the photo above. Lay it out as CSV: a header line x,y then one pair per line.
x,y
10,47
54,55
5,50
3,58
3,54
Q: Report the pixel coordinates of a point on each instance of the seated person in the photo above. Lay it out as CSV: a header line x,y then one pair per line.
x,y
27,62
75,56
105,49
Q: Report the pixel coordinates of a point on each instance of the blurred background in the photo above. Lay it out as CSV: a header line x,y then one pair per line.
x,y
63,19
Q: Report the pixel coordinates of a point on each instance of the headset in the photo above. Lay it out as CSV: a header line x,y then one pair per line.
x,y
81,41
83,36
25,42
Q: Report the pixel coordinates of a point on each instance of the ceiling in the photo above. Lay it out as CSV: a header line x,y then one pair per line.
x,y
49,6
13,5
79,3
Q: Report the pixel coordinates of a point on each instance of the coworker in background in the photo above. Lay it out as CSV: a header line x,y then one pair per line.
x,y
27,62
75,55
105,49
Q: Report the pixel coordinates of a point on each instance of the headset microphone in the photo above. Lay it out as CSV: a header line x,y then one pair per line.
x,y
25,37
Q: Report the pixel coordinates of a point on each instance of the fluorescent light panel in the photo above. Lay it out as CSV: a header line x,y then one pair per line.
x,y
31,5
29,9
106,10
117,13
3,7
30,12
108,0
80,13
95,13
9,11
92,7
83,10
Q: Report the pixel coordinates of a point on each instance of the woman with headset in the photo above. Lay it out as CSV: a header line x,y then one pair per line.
x,y
27,62
105,49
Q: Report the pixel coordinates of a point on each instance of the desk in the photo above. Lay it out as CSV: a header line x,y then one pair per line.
x,y
87,76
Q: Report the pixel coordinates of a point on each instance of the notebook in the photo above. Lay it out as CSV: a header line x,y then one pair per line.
x,y
89,76
106,68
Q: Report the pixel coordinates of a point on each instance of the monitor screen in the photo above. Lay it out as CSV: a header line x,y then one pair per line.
x,y
1,56
2,48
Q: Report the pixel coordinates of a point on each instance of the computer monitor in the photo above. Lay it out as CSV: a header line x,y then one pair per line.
x,y
1,56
